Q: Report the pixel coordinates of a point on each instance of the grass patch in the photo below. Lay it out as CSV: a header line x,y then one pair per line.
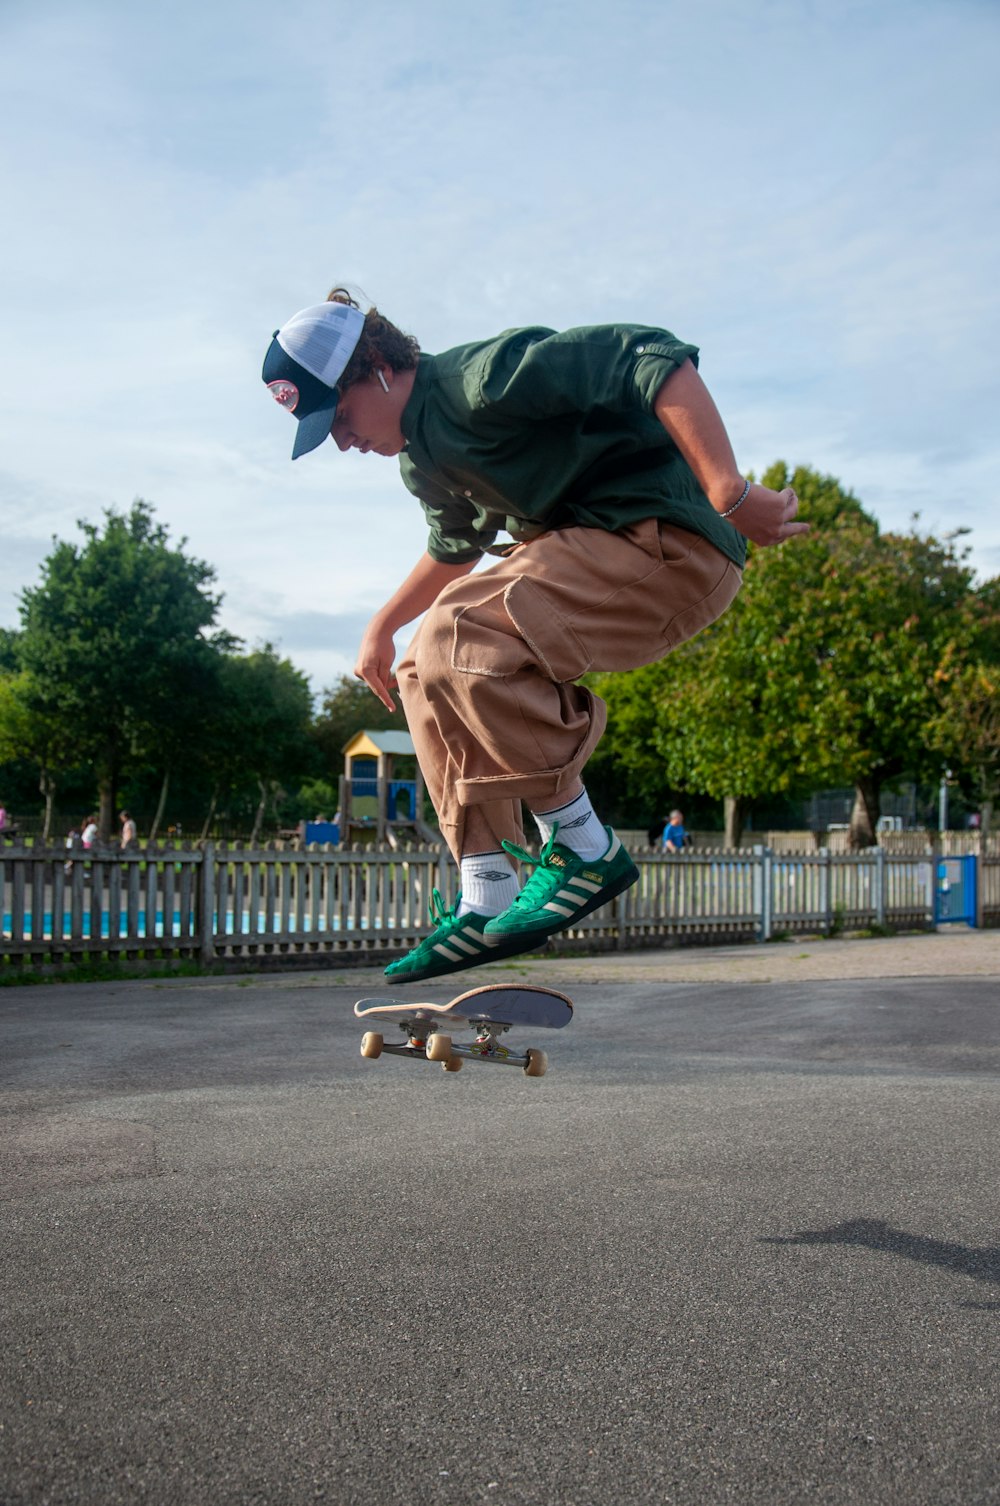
x,y
102,970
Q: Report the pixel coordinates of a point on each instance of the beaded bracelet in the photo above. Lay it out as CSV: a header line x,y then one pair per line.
x,y
744,494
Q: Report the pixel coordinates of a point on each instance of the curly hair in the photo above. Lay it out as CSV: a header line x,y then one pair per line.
x,y
381,343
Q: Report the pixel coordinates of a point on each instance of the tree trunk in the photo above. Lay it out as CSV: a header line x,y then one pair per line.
x,y
106,813
211,815
258,819
737,808
164,787
864,816
47,787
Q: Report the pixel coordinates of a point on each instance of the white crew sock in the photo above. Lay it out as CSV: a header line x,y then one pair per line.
x,y
579,828
489,883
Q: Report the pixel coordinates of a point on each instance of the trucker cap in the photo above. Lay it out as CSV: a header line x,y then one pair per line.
x,y
304,363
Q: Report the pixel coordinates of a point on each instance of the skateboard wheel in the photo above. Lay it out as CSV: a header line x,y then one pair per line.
x,y
537,1064
453,1064
371,1044
439,1048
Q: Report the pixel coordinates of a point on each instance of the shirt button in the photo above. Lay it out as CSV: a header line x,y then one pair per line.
x,y
639,349
468,494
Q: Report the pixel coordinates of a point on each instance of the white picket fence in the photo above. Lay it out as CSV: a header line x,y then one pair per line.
x,y
326,905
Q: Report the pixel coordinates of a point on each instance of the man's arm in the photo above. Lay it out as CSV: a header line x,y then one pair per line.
x,y
685,408
418,591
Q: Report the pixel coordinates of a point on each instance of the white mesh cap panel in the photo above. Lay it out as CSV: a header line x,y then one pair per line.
x,y
322,339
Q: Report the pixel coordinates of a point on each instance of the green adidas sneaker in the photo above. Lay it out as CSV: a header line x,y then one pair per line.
x,y
563,888
457,942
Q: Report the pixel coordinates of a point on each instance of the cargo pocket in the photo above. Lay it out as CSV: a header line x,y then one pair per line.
x,y
517,629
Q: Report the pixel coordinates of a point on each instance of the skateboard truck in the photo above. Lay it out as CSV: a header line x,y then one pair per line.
x,y
425,1038
420,1033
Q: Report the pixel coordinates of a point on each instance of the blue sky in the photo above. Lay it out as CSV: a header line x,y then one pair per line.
x,y
806,190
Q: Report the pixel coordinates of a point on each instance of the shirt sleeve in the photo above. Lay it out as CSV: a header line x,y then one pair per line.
x,y
539,374
455,535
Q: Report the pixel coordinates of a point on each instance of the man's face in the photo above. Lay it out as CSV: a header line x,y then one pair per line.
x,y
368,419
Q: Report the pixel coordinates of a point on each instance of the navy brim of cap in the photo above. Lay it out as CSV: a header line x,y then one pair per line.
x,y
317,403
312,429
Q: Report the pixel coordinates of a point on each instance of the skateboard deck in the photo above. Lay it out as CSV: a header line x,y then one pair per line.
x,y
491,1011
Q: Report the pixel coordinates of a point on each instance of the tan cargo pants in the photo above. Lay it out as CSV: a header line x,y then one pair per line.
x,y
488,683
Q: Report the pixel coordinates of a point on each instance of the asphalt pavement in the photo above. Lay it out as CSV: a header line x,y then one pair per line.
x,y
739,1245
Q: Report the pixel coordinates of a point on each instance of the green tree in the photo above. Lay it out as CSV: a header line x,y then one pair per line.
x,y
29,731
174,738
904,614
966,729
113,639
9,655
259,734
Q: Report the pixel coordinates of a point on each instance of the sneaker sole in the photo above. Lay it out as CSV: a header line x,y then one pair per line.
x,y
566,923
511,946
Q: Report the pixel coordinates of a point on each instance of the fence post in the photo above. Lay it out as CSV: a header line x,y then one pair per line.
x,y
880,886
206,915
764,898
978,877
933,858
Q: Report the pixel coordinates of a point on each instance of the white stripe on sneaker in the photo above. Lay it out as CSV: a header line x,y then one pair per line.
x,y
481,944
456,948
446,951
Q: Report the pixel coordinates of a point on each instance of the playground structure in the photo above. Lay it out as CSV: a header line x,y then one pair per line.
x,y
374,799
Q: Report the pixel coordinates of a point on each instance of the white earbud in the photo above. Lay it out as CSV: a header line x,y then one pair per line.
x,y
381,377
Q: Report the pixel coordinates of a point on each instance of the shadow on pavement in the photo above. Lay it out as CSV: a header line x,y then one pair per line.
x,y
874,1234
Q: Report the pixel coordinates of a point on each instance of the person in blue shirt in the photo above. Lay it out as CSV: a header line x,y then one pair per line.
x,y
674,835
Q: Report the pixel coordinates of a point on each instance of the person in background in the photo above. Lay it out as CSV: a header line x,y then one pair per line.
x,y
674,835
129,833
89,834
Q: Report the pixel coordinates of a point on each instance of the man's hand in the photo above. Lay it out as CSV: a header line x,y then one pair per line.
x,y
375,660
768,517
419,590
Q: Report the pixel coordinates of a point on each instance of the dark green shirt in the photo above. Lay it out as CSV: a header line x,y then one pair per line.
x,y
536,430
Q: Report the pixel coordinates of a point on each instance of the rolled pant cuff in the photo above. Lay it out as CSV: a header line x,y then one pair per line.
x,y
529,787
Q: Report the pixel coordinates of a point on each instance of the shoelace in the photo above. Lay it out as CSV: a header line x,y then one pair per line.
x,y
538,883
438,912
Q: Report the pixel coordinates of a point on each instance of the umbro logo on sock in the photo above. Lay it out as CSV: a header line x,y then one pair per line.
x,y
579,821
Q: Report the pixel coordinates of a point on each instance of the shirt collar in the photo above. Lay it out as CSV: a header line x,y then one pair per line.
x,y
410,416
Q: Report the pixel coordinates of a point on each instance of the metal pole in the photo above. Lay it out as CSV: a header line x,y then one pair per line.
x,y
943,800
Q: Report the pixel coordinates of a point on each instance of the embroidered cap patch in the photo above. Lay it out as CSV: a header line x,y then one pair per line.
x,y
284,393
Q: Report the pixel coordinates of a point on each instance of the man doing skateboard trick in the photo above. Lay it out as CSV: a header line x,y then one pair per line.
x,y
600,454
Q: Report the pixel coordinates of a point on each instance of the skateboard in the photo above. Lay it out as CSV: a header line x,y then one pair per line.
x,y
491,1011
